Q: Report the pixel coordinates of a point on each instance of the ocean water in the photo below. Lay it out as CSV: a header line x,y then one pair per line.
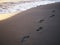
x,y
22,6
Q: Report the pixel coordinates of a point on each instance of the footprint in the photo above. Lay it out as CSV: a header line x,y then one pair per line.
x,y
52,15
41,20
40,28
25,38
53,11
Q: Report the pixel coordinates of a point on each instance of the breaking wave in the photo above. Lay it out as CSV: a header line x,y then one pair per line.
x,y
18,7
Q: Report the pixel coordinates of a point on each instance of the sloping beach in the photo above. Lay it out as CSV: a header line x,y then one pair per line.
x,y
36,26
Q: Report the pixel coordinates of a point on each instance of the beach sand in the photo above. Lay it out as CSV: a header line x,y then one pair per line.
x,y
36,26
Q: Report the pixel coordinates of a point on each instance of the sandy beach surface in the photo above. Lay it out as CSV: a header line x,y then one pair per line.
x,y
36,26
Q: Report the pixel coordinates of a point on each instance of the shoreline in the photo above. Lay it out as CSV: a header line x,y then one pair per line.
x,y
8,15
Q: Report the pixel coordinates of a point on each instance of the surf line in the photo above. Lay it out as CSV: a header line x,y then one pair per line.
x,y
22,6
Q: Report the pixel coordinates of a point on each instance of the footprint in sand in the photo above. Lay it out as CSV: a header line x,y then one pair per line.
x,y
41,20
53,11
25,38
52,15
40,28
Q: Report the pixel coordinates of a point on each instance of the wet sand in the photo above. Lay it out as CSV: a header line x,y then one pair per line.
x,y
36,26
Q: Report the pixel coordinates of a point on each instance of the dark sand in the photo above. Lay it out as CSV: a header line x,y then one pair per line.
x,y
21,29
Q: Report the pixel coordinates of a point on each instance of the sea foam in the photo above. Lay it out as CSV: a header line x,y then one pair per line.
x,y
19,7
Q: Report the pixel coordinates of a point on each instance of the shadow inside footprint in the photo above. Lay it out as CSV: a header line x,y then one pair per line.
x,y
53,11
41,21
52,15
25,38
39,28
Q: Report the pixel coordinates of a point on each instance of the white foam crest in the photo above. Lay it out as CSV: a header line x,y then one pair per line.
x,y
24,6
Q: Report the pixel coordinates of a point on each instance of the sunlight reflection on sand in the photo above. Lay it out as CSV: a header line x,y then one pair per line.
x,y
6,16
